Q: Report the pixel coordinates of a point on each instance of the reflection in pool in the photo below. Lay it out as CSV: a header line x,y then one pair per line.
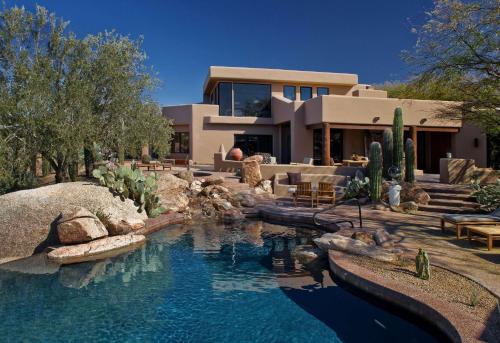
x,y
193,283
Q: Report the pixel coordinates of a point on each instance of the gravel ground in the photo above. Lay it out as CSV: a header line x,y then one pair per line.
x,y
445,285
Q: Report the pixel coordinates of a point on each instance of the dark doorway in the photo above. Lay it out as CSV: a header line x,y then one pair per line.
x,y
431,147
251,144
336,145
286,144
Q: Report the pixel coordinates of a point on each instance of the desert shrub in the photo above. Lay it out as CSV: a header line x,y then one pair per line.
x,y
488,196
357,188
146,159
132,184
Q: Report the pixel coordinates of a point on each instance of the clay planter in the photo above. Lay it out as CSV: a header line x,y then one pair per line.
x,y
236,154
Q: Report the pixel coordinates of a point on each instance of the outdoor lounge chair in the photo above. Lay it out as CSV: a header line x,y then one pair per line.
x,y
459,221
326,191
304,191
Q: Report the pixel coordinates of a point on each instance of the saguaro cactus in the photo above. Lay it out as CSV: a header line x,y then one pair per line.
x,y
387,152
397,132
375,171
409,161
422,265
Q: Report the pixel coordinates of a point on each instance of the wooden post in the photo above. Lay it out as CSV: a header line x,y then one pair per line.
x,y
413,131
326,144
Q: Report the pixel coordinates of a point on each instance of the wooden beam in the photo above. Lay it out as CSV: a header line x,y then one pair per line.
x,y
413,132
326,144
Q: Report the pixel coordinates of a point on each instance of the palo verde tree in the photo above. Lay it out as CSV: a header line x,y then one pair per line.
x,y
60,93
457,57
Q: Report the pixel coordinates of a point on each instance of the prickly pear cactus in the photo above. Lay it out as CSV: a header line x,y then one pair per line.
x,y
409,161
375,171
387,152
422,265
398,136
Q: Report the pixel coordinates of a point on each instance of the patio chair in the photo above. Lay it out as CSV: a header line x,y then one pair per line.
x,y
326,191
459,221
303,191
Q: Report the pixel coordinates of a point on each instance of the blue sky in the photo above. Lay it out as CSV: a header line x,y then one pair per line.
x,y
182,38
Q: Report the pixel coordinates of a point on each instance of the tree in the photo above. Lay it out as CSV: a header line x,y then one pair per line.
x,y
60,94
457,57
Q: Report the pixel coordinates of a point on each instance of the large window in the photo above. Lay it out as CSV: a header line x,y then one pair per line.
x,y
289,92
180,143
251,144
225,98
323,91
244,99
306,93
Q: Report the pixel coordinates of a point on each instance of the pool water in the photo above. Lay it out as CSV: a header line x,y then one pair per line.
x,y
194,283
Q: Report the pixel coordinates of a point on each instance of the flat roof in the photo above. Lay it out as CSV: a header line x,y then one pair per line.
x,y
216,73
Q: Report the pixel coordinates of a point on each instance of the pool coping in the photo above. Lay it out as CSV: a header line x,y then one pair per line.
x,y
456,325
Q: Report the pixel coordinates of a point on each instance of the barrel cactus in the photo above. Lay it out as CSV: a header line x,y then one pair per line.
x,y
397,132
387,152
375,171
422,265
409,161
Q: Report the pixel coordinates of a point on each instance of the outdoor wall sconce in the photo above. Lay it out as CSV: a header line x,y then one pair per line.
x,y
376,119
476,142
423,121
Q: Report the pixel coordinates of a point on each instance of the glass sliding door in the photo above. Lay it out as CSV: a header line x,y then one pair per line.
x,y
251,144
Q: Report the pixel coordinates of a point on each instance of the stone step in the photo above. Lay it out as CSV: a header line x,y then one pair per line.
x,y
451,196
448,190
453,203
446,209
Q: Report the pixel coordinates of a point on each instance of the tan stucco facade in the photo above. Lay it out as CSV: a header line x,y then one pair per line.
x,y
356,109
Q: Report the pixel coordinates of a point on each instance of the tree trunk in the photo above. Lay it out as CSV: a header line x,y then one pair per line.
x,y
89,161
60,172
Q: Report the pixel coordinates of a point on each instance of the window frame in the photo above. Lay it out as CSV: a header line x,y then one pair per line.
x,y
325,88
177,138
268,85
306,87
294,92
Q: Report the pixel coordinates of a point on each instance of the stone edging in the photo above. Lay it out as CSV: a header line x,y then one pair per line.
x,y
456,325
160,222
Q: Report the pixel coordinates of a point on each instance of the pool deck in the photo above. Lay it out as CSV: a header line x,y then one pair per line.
x,y
410,232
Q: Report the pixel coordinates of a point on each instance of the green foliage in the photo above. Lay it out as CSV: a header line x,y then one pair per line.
x,y
398,136
59,93
357,188
45,167
456,58
409,161
422,265
488,196
146,159
375,171
387,151
132,184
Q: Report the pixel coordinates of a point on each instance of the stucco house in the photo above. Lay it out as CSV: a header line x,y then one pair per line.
x,y
296,114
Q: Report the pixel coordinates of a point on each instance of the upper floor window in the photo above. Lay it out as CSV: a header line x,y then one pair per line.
x,y
323,91
305,93
225,98
252,100
289,92
244,99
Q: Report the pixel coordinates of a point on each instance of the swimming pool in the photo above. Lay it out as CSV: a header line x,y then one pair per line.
x,y
195,283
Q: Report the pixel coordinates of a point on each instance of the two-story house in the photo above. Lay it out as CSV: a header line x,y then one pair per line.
x,y
295,114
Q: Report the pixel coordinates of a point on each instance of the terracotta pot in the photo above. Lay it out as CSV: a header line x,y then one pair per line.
x,y
236,154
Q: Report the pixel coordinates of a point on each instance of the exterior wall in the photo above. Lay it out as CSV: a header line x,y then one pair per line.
x,y
462,145
375,111
353,143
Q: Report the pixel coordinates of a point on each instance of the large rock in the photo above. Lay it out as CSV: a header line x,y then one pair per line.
x,y
250,173
28,218
172,192
307,254
79,225
246,199
414,193
331,241
212,180
96,250
233,215
364,237
258,158
186,175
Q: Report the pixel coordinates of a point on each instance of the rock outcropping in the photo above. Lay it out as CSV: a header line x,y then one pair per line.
x,y
28,218
79,225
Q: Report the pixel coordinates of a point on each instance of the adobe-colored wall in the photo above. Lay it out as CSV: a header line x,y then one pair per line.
x,y
462,145
353,143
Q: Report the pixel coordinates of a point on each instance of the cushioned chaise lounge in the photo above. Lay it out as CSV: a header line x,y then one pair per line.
x,y
459,221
